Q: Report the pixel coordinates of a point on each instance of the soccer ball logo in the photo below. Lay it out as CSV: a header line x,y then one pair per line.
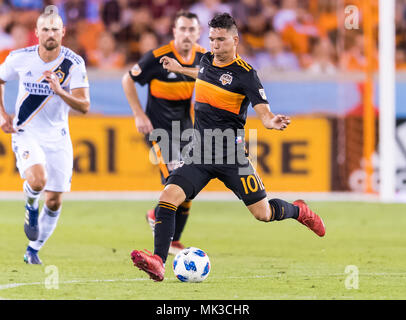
x,y
191,265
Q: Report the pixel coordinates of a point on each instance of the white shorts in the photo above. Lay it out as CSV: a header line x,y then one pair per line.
x,y
56,156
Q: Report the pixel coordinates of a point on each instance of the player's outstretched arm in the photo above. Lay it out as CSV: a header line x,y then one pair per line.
x,y
6,121
172,65
79,99
269,120
142,122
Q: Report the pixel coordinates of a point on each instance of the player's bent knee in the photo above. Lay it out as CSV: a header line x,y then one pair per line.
x,y
37,183
36,177
262,217
173,194
53,200
53,204
260,210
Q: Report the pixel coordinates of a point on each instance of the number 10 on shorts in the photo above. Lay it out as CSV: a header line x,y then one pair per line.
x,y
251,183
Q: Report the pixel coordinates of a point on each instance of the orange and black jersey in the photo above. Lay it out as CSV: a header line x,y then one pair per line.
x,y
223,94
169,95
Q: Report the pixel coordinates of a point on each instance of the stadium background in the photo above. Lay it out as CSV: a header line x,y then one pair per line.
x,y
312,68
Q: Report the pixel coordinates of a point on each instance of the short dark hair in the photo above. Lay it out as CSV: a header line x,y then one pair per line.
x,y
186,14
223,21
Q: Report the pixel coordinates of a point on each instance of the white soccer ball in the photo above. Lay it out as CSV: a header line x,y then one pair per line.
x,y
191,265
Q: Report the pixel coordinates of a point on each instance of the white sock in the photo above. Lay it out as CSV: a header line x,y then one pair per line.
x,y
31,195
47,223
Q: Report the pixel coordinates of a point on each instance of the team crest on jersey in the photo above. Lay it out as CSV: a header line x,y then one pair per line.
x,y
26,155
136,70
226,79
60,74
84,77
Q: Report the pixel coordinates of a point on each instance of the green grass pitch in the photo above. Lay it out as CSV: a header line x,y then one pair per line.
x,y
89,254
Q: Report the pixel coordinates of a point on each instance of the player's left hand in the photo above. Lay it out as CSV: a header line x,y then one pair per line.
x,y
280,122
53,81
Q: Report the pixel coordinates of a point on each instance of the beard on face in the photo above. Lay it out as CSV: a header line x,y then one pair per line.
x,y
50,44
187,42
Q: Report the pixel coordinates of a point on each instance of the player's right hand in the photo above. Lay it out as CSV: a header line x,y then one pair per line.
x,y
280,122
170,64
6,123
143,124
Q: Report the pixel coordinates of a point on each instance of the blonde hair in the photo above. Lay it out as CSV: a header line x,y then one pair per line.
x,y
50,12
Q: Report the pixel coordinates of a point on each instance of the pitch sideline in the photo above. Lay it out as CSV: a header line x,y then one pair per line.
x,y
372,274
210,196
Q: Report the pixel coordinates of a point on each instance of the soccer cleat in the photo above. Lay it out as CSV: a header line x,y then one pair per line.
x,y
310,219
151,264
176,247
31,228
31,256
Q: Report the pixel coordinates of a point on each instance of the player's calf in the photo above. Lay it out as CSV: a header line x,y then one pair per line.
x,y
274,209
32,195
260,210
281,210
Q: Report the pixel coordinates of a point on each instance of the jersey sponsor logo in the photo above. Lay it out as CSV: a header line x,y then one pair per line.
x,y
40,93
177,164
28,74
172,75
136,70
262,93
26,155
38,88
226,79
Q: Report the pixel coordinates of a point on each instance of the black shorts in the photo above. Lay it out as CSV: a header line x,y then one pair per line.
x,y
192,178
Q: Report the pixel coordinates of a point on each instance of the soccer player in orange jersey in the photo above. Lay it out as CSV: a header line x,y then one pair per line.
x,y
168,105
225,87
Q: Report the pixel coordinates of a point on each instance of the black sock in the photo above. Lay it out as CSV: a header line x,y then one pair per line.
x,y
281,210
182,215
164,228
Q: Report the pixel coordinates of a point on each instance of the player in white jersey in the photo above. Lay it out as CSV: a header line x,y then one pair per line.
x,y
52,79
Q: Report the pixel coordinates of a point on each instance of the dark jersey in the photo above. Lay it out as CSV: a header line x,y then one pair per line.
x,y
169,96
222,96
